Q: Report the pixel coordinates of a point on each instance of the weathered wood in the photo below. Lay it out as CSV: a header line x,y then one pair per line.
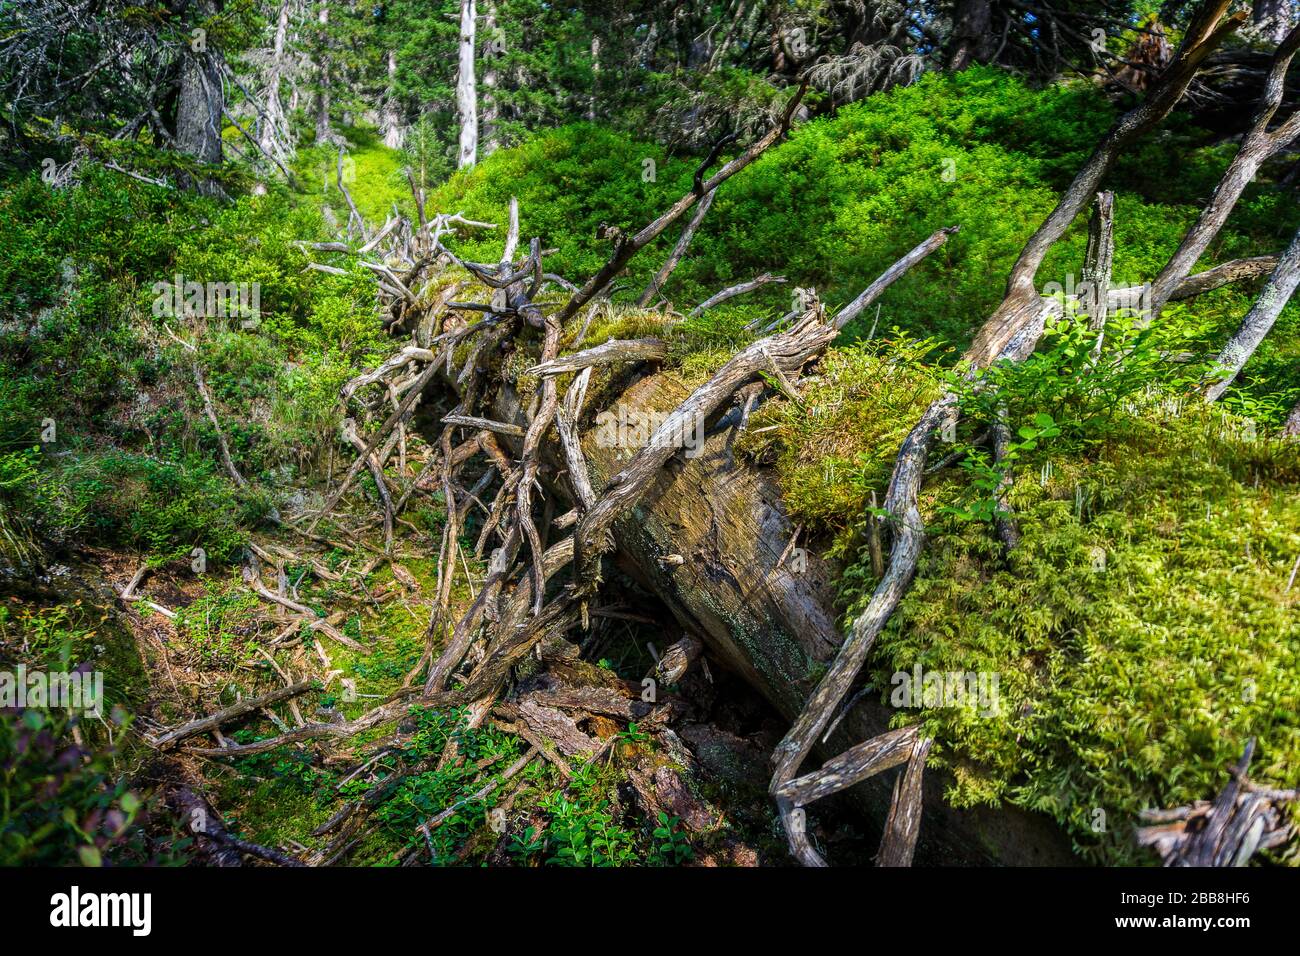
x,y
1257,146
608,353
909,537
740,288
1207,29
403,411
857,763
773,624
246,706
1012,331
1227,831
1098,259
566,419
471,421
628,246
877,288
786,352
557,726
349,430
1259,320
606,701
903,826
770,624
1291,429
677,659
390,710
1238,270
679,250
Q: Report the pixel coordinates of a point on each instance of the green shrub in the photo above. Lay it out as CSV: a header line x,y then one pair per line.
x,y
63,804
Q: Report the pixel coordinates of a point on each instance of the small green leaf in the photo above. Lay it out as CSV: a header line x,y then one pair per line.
x,y
89,856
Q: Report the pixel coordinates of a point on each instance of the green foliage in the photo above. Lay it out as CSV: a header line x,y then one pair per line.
x,y
83,270
1130,681
219,623
857,190
568,182
411,799
61,803
1091,387
372,173
582,830
671,845
1142,629
164,508
65,794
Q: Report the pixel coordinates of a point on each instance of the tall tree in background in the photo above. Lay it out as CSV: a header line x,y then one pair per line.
x,y
466,94
1273,17
973,39
200,102
324,133
390,123
493,48
274,136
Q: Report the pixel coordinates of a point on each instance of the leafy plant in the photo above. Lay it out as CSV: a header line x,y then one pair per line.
x,y
62,803
671,845
582,830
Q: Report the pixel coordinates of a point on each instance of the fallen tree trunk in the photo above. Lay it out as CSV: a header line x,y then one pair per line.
x,y
775,627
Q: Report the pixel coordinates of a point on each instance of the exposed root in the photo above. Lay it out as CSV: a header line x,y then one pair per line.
x,y
1227,831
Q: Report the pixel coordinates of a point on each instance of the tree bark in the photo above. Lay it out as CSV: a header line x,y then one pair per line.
x,y
1258,145
273,135
1011,333
679,250
324,134
1272,17
1292,427
390,123
773,626
199,105
466,95
491,108
972,34
1098,259
1259,320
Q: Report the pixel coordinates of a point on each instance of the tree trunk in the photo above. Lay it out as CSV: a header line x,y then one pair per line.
x,y
1259,320
1292,427
390,123
273,137
737,592
1257,146
1272,17
199,105
679,250
491,108
595,78
466,97
972,34
323,132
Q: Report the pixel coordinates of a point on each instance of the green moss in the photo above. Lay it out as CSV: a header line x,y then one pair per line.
x,y
1140,633
1122,685
270,812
